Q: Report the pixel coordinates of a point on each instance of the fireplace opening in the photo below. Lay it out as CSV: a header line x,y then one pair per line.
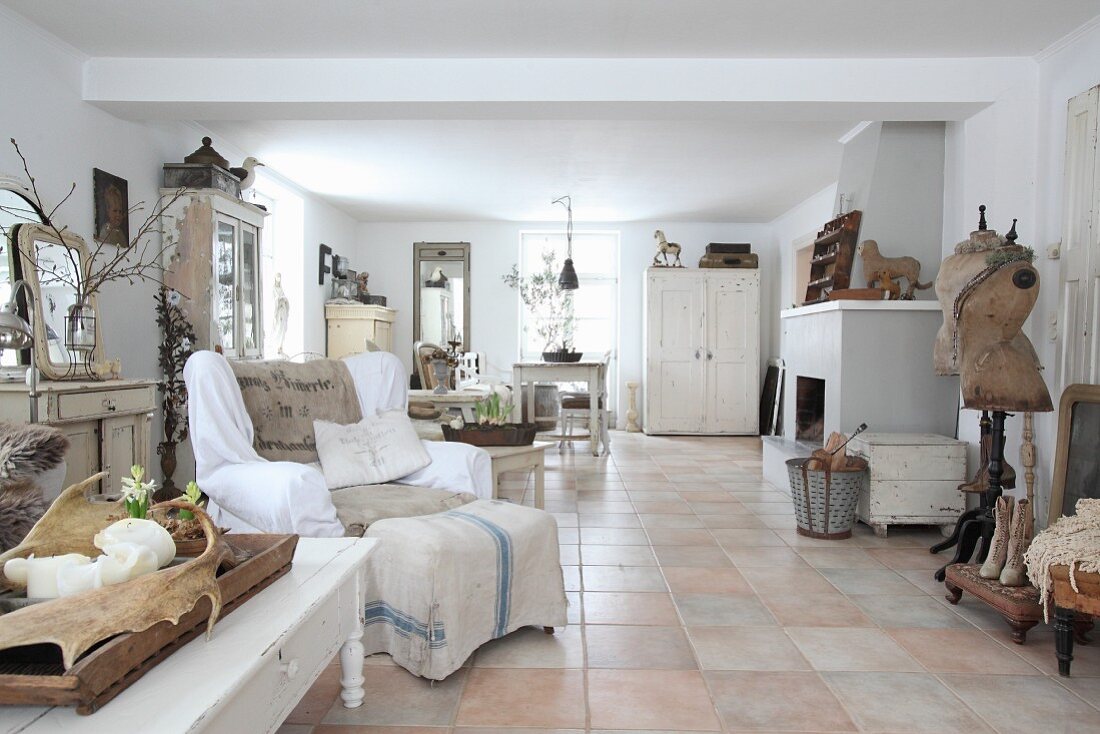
x,y
809,412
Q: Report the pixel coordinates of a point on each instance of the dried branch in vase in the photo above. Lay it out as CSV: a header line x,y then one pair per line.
x,y
140,261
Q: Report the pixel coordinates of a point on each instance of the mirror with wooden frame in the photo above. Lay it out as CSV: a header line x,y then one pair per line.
x,y
441,293
1077,455
53,266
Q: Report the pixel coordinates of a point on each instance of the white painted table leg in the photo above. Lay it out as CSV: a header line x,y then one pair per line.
x,y
531,401
593,411
540,483
517,395
496,479
351,669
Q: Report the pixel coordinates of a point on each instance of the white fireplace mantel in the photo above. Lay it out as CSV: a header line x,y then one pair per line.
x,y
816,308
876,360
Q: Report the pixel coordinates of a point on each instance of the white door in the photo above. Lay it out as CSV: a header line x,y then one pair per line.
x,y
675,361
1079,308
732,353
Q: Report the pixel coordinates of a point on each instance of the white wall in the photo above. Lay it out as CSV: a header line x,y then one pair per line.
x,y
894,173
385,250
1070,70
64,137
806,218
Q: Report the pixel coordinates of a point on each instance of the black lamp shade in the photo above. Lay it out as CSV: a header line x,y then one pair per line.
x,y
568,280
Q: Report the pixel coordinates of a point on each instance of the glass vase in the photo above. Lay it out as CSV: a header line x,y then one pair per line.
x,y
80,328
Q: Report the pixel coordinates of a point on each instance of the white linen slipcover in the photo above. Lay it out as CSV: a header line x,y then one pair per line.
x,y
250,494
440,586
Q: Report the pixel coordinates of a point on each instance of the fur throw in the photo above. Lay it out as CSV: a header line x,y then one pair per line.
x,y
28,449
21,505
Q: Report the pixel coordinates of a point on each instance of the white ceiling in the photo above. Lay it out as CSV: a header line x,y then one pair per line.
x,y
629,165
559,28
616,170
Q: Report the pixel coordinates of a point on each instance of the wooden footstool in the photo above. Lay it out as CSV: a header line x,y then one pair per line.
x,y
1019,605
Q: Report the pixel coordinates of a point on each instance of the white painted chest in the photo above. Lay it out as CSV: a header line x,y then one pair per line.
x,y
914,479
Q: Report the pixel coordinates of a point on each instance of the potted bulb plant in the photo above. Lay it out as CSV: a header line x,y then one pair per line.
x,y
491,427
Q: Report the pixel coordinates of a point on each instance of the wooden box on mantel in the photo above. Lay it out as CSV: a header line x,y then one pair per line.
x,y
914,479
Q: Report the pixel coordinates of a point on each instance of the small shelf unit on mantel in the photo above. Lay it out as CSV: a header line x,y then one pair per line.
x,y
831,261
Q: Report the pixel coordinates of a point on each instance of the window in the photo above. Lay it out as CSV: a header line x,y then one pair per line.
x,y
595,304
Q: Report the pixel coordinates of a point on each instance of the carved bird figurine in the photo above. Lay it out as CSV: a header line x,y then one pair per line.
x,y
247,172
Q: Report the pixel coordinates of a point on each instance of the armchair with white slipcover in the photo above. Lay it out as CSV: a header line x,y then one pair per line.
x,y
248,493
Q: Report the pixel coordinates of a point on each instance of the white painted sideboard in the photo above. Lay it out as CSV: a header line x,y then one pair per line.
x,y
260,662
351,324
702,351
107,423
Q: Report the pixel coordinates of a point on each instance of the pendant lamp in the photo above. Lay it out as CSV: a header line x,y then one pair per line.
x,y
568,280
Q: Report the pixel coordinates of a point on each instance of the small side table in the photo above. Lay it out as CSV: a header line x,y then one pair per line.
x,y
514,458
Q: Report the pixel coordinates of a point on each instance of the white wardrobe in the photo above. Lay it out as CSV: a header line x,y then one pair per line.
x,y
702,351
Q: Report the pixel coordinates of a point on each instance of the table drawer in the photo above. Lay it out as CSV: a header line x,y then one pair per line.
x,y
285,674
77,406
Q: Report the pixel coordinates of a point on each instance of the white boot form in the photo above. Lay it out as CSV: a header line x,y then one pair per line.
x,y
998,547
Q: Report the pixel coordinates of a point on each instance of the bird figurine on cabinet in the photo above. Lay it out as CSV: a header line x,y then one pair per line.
x,y
247,172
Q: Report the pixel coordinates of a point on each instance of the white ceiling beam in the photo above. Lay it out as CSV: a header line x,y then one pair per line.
x,y
945,89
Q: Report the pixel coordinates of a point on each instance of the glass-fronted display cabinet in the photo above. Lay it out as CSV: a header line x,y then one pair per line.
x,y
215,264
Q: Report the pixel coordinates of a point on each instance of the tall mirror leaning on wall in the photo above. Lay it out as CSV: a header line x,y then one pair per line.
x,y
16,208
441,293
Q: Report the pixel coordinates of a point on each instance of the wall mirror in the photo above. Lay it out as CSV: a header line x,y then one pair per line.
x,y
16,208
53,267
1077,454
441,293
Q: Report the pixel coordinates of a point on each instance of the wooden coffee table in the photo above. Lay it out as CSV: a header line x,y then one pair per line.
x,y
257,666
514,458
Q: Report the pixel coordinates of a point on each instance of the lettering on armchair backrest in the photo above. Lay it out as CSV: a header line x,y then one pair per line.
x,y
284,398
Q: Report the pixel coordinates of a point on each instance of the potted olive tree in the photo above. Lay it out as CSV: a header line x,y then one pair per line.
x,y
551,307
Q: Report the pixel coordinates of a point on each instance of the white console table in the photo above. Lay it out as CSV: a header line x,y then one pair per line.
x,y
259,664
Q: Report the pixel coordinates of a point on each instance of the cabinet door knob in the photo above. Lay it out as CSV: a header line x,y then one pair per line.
x,y
710,354
109,404
290,669
697,353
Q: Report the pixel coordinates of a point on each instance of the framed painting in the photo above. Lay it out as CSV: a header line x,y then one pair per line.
x,y
112,209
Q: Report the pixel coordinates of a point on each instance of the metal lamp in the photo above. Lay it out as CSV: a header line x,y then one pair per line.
x,y
568,280
15,333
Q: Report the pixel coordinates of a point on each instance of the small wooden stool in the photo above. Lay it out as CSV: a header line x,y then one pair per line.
x,y
1019,605
1073,611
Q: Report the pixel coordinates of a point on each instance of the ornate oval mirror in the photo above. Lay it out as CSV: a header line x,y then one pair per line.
x,y
67,344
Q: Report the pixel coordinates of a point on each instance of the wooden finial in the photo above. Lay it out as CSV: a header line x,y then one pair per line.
x,y
981,218
1012,236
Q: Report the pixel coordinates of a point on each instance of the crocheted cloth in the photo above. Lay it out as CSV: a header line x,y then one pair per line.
x,y
1072,541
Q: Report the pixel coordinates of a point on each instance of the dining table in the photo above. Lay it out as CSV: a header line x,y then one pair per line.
x,y
588,371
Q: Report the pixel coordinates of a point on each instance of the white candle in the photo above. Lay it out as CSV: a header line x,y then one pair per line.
x,y
40,574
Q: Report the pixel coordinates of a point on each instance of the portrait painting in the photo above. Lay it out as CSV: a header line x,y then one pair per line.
x,y
112,209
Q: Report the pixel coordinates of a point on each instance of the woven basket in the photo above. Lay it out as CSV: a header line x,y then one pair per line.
x,y
825,502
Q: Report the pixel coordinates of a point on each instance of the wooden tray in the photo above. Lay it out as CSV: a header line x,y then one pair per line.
x,y
34,676
513,434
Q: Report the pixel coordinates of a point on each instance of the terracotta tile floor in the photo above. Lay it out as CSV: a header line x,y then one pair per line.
x,y
696,607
